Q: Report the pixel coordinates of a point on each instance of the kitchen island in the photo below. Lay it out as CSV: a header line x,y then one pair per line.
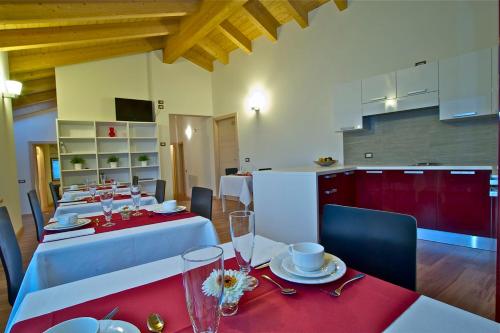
x,y
451,203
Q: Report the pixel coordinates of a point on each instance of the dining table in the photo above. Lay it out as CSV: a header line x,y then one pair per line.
x,y
96,249
70,195
240,186
368,305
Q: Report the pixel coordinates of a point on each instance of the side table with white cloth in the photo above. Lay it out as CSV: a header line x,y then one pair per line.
x,y
236,186
84,207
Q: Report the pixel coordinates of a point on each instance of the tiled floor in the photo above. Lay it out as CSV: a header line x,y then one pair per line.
x,y
456,275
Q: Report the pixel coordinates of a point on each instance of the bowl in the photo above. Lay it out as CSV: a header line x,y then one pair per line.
x,y
325,163
77,325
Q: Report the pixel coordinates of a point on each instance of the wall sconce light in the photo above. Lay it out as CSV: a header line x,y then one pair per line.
x,y
189,132
12,89
257,100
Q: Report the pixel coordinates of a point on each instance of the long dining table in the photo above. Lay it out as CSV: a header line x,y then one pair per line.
x,y
369,305
128,243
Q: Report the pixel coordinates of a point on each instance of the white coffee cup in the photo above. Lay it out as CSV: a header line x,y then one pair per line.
x,y
67,219
307,257
73,187
169,205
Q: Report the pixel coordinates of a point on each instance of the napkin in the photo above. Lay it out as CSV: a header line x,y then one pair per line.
x,y
68,234
265,249
70,203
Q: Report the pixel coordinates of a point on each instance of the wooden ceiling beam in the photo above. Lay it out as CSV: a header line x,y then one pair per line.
x,y
39,14
18,39
263,19
199,60
235,36
214,50
197,26
297,10
51,59
38,86
23,101
341,4
28,76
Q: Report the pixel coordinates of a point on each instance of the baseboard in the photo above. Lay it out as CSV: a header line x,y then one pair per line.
x,y
475,242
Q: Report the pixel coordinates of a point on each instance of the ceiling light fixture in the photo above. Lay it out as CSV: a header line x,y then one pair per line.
x,y
12,89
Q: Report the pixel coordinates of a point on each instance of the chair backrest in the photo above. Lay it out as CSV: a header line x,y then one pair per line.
x,y
231,171
36,210
54,191
201,202
135,180
160,190
10,253
378,243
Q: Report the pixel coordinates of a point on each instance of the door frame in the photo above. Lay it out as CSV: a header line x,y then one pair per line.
x,y
217,145
33,165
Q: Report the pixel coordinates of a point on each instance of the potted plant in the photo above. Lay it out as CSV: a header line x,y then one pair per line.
x,y
113,161
144,160
77,162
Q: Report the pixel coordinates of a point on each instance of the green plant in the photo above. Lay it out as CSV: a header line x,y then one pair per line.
x,y
77,160
113,158
143,158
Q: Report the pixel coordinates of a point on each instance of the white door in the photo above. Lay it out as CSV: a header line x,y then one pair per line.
x,y
465,84
347,111
228,144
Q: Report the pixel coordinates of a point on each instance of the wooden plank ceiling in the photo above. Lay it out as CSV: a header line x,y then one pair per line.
x,y
42,35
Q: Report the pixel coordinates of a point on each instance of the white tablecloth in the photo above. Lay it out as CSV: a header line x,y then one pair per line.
x,y
68,260
425,315
94,207
236,186
70,195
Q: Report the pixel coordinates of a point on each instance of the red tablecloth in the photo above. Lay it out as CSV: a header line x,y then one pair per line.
x,y
369,305
146,218
117,196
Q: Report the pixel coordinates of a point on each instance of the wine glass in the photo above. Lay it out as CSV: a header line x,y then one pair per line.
x,y
135,192
107,207
242,228
114,187
92,190
203,277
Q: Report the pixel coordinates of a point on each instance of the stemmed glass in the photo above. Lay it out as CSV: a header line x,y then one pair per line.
x,y
107,207
135,192
203,277
242,228
114,187
92,190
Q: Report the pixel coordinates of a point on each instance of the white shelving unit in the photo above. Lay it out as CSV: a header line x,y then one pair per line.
x,y
90,141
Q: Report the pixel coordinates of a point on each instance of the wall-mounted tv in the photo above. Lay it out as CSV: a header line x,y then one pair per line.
x,y
55,169
134,110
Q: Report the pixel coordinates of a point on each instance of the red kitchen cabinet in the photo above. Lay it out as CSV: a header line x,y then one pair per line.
x,y
338,188
412,192
370,189
464,202
347,189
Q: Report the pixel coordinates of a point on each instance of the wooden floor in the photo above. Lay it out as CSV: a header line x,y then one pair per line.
x,y
456,275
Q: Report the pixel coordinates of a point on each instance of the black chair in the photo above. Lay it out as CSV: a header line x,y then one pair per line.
x,y
36,210
265,169
379,243
10,253
231,171
160,190
54,191
201,202
135,180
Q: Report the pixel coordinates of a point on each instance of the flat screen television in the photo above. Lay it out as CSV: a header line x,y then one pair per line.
x,y
55,169
134,110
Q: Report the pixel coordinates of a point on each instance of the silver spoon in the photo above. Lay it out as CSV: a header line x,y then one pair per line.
x,y
284,291
155,323
338,291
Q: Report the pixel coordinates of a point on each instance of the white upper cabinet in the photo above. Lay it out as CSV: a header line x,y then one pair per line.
x,y
347,114
417,80
379,88
494,81
465,85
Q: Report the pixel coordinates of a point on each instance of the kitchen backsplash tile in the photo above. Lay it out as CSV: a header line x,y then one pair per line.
x,y
419,136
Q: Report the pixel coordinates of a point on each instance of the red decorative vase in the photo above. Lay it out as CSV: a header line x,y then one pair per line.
x,y
112,132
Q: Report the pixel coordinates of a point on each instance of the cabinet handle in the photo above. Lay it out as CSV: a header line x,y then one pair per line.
x,y
463,172
374,171
378,99
417,92
350,128
414,172
329,176
465,114
333,190
348,173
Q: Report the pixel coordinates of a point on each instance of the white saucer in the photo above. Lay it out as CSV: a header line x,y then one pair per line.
x,y
277,268
117,326
56,226
178,209
328,267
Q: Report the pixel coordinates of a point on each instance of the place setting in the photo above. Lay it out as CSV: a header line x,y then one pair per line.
x,y
168,207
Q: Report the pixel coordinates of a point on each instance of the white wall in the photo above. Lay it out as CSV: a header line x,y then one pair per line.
x,y
298,72
39,128
8,174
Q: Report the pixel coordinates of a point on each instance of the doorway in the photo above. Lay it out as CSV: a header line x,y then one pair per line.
x,y
44,169
226,144
177,157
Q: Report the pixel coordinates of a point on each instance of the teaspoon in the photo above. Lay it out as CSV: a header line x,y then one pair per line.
x,y
284,291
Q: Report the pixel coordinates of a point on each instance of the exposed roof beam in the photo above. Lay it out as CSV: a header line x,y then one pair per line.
x,y
341,4
40,14
297,10
200,60
40,85
195,27
214,50
18,39
23,101
261,17
44,73
54,58
37,112
235,36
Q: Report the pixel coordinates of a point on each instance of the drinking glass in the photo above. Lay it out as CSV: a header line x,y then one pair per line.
x,y
114,187
135,192
242,228
92,190
107,207
204,264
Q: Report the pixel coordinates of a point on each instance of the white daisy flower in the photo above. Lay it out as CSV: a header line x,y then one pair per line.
x,y
234,283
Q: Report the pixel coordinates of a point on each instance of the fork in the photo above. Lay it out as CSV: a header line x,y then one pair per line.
x,y
111,314
337,292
